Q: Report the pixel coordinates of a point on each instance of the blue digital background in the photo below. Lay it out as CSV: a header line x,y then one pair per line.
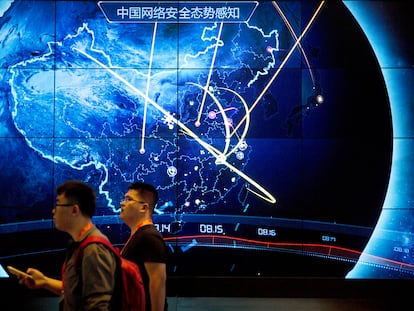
x,y
286,135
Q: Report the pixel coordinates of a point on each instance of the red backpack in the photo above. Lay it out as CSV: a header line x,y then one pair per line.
x,y
132,295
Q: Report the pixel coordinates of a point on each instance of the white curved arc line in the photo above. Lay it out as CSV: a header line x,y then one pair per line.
x,y
279,69
223,114
267,196
271,198
263,194
292,32
213,59
247,119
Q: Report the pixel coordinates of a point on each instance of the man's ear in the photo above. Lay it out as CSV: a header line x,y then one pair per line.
x,y
144,207
76,209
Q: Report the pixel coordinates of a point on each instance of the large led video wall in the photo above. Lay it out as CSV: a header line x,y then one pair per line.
x,y
278,133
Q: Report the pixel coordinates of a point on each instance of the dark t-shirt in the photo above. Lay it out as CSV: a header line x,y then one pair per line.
x,y
146,245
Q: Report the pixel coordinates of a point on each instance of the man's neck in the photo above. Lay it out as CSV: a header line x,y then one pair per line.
x,y
138,224
81,229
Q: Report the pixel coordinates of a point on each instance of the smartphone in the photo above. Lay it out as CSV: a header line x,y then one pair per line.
x,y
18,272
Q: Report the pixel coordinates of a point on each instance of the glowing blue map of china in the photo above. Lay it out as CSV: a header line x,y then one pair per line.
x,y
150,97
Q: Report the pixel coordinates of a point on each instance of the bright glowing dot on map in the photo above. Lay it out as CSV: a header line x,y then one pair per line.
x,y
240,155
196,168
187,204
233,179
197,201
211,89
220,159
171,171
142,151
269,49
319,99
243,146
191,102
212,115
197,124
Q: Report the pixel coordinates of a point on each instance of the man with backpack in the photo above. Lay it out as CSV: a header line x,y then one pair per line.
x,y
90,284
145,246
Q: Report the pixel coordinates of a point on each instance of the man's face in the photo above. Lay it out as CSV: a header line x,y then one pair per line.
x,y
131,206
62,212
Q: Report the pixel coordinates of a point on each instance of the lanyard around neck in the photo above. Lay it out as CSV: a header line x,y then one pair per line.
x,y
84,230
141,224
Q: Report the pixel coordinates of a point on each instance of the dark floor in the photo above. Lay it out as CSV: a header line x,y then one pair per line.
x,y
216,294
243,304
258,304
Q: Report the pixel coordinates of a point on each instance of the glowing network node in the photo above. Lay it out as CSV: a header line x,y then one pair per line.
x,y
243,146
220,159
240,155
319,99
171,171
212,115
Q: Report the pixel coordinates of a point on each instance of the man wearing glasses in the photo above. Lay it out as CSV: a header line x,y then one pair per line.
x,y
145,246
91,286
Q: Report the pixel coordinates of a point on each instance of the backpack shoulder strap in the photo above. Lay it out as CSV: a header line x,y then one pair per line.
x,y
94,239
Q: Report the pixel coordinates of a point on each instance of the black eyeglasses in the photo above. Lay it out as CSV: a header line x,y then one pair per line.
x,y
67,204
127,199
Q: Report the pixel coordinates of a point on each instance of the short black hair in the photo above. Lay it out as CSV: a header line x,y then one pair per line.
x,y
80,193
148,191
